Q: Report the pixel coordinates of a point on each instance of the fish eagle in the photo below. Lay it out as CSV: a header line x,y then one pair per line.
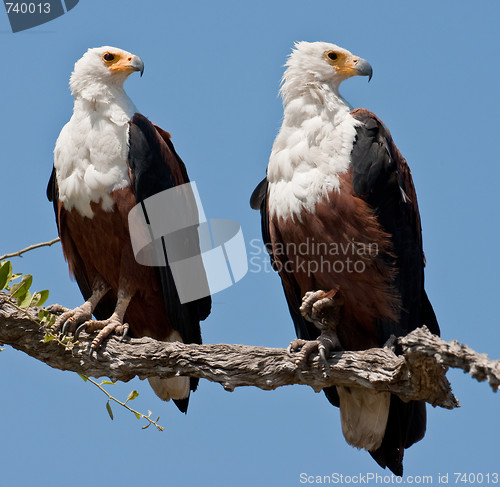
x,y
108,158
341,223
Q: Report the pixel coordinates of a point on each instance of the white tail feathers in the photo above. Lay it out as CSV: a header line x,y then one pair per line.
x,y
166,389
363,414
174,388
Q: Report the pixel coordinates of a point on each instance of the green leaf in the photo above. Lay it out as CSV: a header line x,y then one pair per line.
x,y
83,377
19,290
108,408
5,273
39,298
132,396
109,382
25,301
46,316
138,415
48,338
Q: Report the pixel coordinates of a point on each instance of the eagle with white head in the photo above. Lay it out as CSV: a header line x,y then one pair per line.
x,y
341,223
109,158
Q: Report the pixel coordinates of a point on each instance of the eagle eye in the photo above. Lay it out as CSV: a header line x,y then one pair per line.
x,y
332,56
108,56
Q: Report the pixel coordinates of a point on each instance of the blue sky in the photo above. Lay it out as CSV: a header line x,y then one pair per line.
x,y
212,72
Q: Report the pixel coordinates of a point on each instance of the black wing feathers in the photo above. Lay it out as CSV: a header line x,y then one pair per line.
x,y
53,194
382,177
150,173
155,167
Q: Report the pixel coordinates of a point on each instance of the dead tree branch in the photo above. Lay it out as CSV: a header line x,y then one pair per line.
x,y
417,374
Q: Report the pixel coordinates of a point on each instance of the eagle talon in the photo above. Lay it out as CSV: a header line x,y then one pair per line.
x,y
322,355
296,345
65,327
125,331
323,346
71,319
56,309
322,308
308,301
106,328
79,330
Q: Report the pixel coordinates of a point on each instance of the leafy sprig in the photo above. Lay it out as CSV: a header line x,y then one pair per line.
x,y
21,297
20,291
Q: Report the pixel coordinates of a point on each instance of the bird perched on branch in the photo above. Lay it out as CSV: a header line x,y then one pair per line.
x,y
107,159
341,222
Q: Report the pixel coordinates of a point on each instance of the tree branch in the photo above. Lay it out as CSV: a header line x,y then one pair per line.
x,y
27,249
418,374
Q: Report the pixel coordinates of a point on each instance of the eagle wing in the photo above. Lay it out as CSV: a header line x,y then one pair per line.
x,y
155,167
382,177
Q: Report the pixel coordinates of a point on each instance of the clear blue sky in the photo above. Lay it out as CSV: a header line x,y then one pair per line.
x,y
212,72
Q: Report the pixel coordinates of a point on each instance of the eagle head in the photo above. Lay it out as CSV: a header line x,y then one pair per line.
x,y
320,63
104,66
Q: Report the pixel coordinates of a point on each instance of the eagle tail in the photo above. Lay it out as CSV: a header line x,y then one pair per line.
x,y
363,414
405,426
176,388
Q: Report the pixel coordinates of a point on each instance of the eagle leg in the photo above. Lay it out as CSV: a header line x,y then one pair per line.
x,y
114,324
323,309
70,319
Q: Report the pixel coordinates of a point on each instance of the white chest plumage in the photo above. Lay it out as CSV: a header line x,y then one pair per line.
x,y
311,150
90,156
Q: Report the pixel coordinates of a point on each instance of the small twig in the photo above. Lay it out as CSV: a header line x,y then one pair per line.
x,y
68,344
27,249
138,415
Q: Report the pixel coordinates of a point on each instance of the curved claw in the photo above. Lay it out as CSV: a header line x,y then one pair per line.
x,y
81,328
65,327
322,354
125,331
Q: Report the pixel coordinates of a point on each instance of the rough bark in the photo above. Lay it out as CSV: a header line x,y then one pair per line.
x,y
419,373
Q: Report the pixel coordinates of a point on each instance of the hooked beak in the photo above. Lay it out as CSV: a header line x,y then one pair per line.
x,y
137,65
363,68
